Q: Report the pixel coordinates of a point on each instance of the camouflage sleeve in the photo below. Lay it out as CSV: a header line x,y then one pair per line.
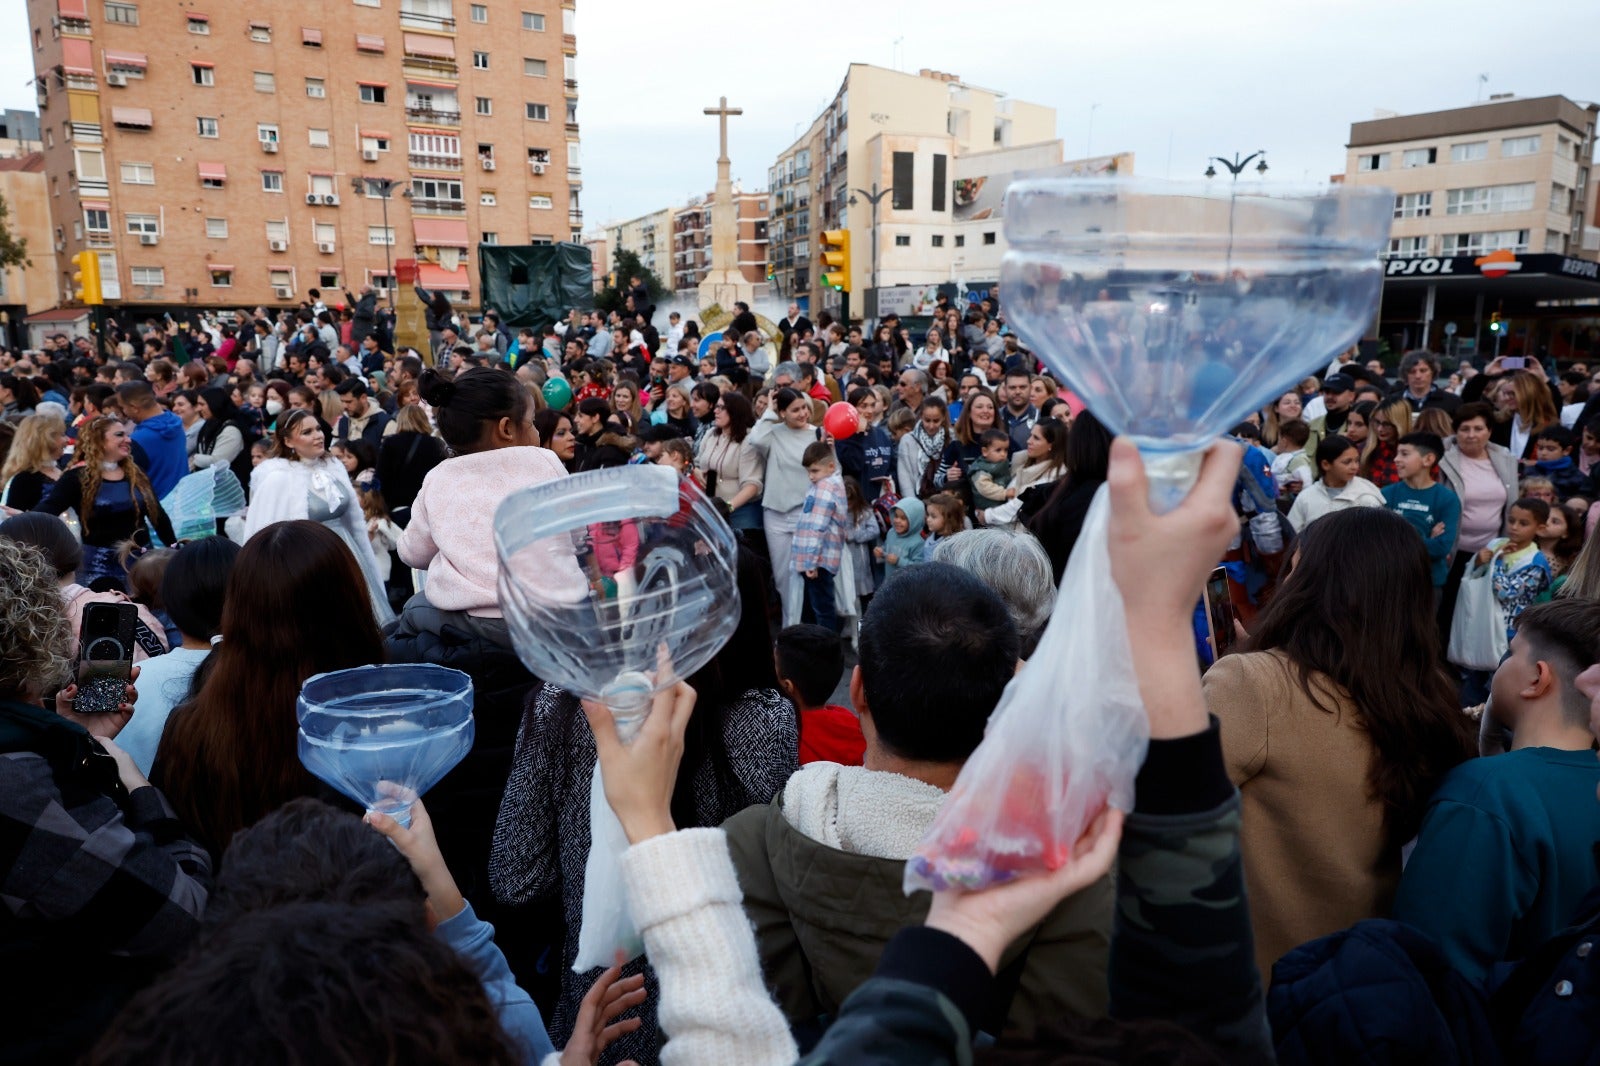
x,y
1182,949
916,1010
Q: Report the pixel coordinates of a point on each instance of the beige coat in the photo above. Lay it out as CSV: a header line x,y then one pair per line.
x,y
1316,857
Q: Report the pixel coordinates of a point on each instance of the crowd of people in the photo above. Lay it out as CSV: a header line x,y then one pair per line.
x,y
1331,808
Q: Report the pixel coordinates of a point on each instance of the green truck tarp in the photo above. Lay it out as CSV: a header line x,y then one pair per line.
x,y
534,285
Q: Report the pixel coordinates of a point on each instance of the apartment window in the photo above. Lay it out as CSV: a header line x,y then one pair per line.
x,y
324,232
278,230
211,182
222,278
372,188
310,37
380,234
203,74
1489,199
328,279
375,144
148,277
988,237
480,60
1555,242
482,105
537,112
534,68
205,127
265,81
1513,240
532,20
491,237
266,132
281,278
539,155
199,25
540,239
568,20
1515,146
435,189
260,33
272,181
369,3
322,185
961,240
1413,205
1560,200
142,225
486,199
938,240
319,138
1469,151
540,203
316,88
1374,161
902,240
96,220
217,228
572,111
126,14
1419,157
479,13
138,174
373,94
939,182
904,163
1408,247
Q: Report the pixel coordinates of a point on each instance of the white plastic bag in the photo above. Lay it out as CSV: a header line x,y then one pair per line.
x,y
1068,738
1478,627
607,925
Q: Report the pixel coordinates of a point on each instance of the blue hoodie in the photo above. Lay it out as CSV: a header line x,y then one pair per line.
x,y
166,448
908,548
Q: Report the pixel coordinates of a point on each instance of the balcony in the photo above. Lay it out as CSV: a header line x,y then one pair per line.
x,y
574,218
574,172
425,161
572,84
98,239
430,65
434,115
439,207
417,20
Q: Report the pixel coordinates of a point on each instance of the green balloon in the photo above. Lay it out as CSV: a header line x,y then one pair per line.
x,y
557,393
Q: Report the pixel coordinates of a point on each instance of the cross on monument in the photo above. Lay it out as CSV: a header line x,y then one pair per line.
x,y
722,111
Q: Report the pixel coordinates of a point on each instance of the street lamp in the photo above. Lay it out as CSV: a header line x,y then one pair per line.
x,y
872,198
1236,165
384,188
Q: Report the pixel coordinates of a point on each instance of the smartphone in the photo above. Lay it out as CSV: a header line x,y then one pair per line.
x,y
105,656
1513,362
1219,614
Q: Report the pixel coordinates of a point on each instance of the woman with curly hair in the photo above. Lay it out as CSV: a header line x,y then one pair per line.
x,y
126,885
113,502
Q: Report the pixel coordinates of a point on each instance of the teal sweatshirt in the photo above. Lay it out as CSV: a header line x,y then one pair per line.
x,y
908,548
1504,856
1424,509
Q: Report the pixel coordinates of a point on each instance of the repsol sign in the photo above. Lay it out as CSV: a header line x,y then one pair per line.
x,y
1429,265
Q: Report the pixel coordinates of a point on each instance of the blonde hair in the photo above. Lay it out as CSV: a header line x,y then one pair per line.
x,y
412,419
1535,408
36,445
1398,412
329,406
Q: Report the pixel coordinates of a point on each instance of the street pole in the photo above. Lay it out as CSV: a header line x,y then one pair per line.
x,y
385,187
872,198
1237,165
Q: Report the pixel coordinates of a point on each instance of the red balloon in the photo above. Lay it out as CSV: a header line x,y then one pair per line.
x,y
841,421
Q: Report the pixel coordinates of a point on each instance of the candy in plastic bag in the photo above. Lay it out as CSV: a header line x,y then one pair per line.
x,y
1068,738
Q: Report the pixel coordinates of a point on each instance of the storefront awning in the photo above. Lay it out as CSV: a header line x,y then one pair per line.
x,y
441,232
423,44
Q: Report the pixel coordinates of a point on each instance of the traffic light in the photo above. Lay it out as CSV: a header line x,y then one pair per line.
x,y
86,278
836,259
1495,325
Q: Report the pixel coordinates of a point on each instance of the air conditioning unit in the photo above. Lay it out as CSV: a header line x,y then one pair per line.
x,y
313,198
325,247
270,147
282,292
278,246
149,239
488,164
119,81
539,168
369,154
331,200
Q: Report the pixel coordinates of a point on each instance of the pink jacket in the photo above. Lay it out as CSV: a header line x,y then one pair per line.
x,y
451,532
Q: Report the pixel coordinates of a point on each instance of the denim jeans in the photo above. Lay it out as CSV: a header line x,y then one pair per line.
x,y
819,597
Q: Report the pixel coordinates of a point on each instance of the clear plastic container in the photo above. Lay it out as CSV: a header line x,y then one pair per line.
x,y
384,735
600,569
1174,309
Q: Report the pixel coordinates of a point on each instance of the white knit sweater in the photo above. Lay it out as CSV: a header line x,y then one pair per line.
x,y
686,902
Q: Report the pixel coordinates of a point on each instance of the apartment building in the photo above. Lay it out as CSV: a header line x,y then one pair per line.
x,y
691,239
905,135
1510,174
29,288
235,155
649,237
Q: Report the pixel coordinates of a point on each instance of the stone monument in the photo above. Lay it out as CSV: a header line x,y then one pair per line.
x,y
724,283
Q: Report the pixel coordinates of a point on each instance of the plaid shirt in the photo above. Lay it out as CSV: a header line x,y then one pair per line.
x,y
819,538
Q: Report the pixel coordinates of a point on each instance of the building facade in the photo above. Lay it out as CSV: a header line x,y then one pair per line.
x,y
244,154
691,239
30,288
903,135
649,237
1510,174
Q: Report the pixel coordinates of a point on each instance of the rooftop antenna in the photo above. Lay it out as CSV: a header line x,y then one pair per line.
x,y
897,42
1483,80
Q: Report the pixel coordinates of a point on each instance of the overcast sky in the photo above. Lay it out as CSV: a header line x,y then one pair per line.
x,y
1175,81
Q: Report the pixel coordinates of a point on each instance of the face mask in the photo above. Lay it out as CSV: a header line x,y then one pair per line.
x,y
274,407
